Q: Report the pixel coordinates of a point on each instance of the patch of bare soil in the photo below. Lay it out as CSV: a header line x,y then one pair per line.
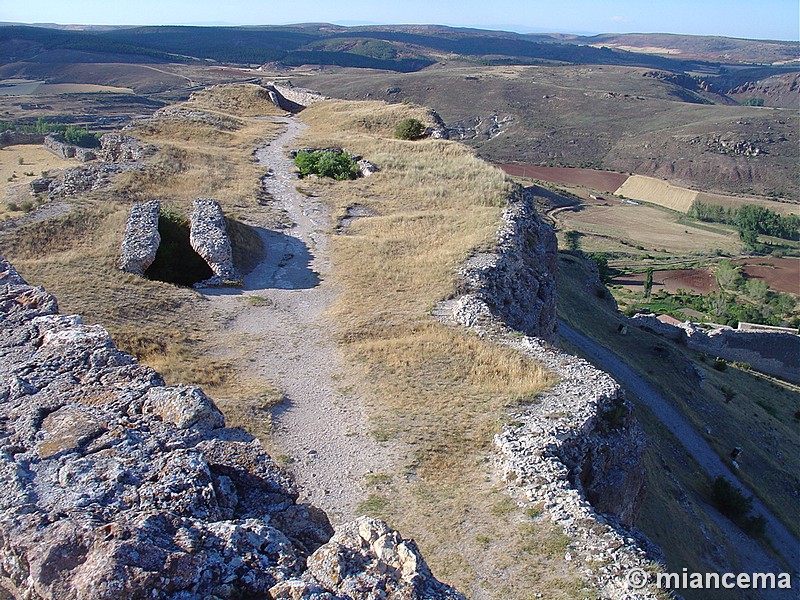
x,y
603,181
278,324
781,274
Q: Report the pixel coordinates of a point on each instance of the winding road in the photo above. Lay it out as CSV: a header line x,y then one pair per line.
x,y
785,543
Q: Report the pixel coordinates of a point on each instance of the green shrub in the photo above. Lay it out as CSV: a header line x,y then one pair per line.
x,y
80,136
13,206
26,206
326,163
729,500
409,129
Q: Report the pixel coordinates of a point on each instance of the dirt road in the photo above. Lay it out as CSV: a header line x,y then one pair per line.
x,y
321,425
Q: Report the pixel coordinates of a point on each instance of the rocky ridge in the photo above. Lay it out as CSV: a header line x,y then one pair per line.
x,y
117,486
577,450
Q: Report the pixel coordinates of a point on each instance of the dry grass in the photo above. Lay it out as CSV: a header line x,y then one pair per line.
x,y
440,391
19,165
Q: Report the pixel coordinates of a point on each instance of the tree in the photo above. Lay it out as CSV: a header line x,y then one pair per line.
x,y
728,275
648,282
409,129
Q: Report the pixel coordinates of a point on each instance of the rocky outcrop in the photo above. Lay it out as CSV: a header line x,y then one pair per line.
x,y
518,279
141,240
119,148
117,486
209,238
387,566
577,450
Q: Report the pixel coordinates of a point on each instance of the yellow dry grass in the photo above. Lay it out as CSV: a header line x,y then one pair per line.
x,y
657,191
441,391
19,165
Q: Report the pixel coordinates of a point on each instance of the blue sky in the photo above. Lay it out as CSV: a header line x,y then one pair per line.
x,y
760,19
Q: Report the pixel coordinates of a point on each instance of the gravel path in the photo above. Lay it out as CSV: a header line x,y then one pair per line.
x,y
783,540
320,425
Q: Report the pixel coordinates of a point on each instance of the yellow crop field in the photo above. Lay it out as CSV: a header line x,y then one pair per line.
x,y
657,191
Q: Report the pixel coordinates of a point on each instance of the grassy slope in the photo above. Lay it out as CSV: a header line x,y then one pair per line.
x,y
771,458
440,392
598,116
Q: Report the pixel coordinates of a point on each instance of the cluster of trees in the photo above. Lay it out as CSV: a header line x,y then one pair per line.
x,y
738,299
750,220
73,134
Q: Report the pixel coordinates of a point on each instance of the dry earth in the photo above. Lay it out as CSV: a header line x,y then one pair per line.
x,y
279,322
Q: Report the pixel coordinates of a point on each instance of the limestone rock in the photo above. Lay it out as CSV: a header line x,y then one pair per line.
x,y
366,168
365,560
518,279
119,148
40,184
115,486
141,240
209,238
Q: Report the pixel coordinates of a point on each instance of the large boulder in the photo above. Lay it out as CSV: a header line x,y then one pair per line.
x,y
209,238
141,240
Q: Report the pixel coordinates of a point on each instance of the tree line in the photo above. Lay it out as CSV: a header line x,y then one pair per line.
x,y
749,219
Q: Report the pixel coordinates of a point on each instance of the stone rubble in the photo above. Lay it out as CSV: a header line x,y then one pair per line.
x,y
141,240
117,486
576,450
119,148
209,238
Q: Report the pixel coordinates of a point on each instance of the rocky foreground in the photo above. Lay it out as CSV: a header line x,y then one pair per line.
x,y
117,486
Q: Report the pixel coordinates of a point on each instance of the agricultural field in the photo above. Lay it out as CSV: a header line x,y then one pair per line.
x,y
657,191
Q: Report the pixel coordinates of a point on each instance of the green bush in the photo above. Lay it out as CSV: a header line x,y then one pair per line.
x,y
80,136
729,500
326,163
409,129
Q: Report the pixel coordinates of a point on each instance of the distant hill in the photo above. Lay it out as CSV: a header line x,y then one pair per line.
x,y
701,47
397,48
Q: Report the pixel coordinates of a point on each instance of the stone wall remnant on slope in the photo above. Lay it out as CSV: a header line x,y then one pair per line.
x,y
774,353
120,148
518,279
209,238
117,486
287,97
141,240
576,451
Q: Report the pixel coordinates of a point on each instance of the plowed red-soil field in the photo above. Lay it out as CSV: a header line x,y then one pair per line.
x,y
781,274
602,181
699,281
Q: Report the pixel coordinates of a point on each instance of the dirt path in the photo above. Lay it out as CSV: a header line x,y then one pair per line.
x,y
321,425
782,539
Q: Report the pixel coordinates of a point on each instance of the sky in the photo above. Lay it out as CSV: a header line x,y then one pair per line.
x,y
756,19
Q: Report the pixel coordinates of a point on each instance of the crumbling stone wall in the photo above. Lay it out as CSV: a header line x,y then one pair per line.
x,y
141,240
518,279
209,238
577,450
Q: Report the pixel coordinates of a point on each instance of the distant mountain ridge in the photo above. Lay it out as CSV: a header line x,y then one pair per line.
x,y
403,48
